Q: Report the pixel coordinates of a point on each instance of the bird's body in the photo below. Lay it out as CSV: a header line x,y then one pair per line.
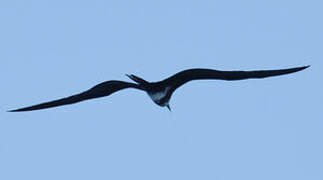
x,y
158,96
160,92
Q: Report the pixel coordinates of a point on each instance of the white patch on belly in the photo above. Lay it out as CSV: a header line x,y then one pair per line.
x,y
159,95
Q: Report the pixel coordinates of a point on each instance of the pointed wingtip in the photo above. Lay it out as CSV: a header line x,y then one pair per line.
x,y
304,67
22,109
301,68
15,110
12,111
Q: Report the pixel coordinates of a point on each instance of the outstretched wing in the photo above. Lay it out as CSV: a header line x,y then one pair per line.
x,y
100,90
195,74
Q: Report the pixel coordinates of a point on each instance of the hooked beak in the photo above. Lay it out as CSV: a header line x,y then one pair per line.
x,y
168,107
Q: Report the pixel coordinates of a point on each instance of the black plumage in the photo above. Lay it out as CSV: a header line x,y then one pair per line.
x,y
161,91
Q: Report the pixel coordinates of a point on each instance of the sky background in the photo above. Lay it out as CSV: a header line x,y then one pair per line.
x,y
247,130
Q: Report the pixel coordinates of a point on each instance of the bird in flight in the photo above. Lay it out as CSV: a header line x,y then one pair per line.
x,y
160,92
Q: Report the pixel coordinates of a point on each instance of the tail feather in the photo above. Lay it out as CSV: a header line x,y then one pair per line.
x,y
137,79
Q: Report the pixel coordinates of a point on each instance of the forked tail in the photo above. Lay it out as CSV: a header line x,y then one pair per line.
x,y
137,79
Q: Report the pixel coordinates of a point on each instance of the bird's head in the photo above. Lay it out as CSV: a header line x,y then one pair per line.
x,y
163,104
168,107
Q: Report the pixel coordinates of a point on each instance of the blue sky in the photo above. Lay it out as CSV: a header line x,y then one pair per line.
x,y
253,129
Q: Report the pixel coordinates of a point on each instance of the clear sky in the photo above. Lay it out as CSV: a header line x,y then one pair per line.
x,y
248,130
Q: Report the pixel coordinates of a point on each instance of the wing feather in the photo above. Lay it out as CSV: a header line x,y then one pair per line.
x,y
198,74
100,90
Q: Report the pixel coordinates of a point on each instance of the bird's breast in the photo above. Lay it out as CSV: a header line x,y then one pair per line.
x,y
158,96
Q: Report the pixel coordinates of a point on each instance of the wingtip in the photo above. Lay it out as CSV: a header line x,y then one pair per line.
x,y
302,67
20,110
15,110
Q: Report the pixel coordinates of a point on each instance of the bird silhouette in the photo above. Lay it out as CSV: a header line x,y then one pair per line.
x,y
160,92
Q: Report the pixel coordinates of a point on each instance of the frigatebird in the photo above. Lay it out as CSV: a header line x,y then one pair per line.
x,y
160,92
